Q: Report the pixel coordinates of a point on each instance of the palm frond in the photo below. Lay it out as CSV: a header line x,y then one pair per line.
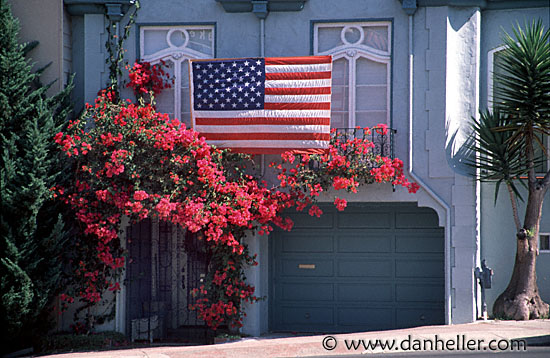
x,y
500,156
523,86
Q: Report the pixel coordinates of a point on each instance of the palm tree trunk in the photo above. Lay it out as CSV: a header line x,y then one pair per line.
x,y
521,299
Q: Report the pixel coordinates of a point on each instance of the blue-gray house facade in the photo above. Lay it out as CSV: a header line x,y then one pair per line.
x,y
391,259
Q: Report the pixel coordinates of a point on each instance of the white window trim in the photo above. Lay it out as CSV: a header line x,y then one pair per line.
x,y
175,54
490,66
352,52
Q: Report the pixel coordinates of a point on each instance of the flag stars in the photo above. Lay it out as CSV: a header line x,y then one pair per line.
x,y
229,85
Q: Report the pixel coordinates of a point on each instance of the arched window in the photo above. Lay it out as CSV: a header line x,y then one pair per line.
x,y
361,82
176,45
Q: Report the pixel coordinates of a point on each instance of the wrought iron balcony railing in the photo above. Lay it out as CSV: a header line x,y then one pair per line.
x,y
382,138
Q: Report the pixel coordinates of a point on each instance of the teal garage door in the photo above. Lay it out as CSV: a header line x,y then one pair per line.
x,y
370,267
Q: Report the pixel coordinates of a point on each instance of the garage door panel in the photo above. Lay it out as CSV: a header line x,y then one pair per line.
x,y
365,268
365,292
294,242
364,242
302,220
411,317
369,267
366,318
307,267
419,242
307,316
307,291
365,219
416,219
419,268
419,292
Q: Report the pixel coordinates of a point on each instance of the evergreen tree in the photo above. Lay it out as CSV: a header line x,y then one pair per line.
x,y
31,226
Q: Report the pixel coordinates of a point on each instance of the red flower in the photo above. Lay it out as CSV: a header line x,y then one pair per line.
x,y
340,204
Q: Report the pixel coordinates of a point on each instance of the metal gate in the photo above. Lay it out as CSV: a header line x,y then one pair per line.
x,y
165,263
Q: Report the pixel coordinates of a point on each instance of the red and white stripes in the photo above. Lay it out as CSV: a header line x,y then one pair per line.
x,y
295,117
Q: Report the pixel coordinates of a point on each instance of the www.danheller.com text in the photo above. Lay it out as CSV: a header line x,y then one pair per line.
x,y
459,343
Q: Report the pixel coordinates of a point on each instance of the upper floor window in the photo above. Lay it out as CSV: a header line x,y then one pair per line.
x,y
361,72
494,67
176,45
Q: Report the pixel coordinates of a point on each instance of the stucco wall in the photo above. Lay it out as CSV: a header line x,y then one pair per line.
x,y
42,21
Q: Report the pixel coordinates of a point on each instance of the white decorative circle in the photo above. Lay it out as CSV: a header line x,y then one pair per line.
x,y
349,28
185,36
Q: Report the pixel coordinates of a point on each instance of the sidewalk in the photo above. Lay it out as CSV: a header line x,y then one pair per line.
x,y
480,334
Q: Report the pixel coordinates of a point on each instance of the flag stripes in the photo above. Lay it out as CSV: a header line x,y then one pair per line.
x,y
263,106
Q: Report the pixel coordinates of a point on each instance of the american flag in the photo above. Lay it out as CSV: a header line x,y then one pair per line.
x,y
263,105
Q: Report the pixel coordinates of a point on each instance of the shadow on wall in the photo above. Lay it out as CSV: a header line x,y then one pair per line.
x,y
459,153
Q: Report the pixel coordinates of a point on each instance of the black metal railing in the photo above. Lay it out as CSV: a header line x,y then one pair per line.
x,y
382,138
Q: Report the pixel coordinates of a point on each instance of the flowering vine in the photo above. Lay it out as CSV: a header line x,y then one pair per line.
x,y
132,161
146,78
349,162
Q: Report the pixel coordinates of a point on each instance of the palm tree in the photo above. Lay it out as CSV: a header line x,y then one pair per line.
x,y
509,142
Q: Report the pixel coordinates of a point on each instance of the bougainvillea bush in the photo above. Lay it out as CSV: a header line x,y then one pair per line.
x,y
133,161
